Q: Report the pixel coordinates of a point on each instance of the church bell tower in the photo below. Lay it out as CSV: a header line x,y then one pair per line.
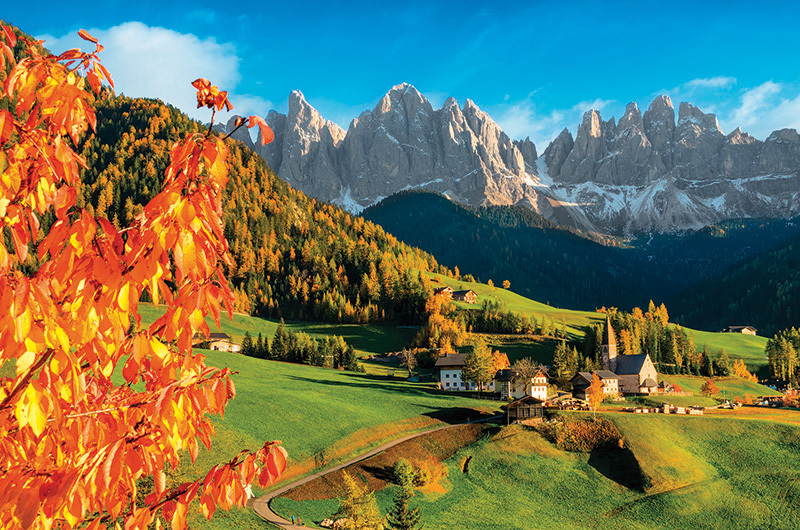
x,y
609,347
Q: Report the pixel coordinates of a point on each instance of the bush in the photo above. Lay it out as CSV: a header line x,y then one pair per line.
x,y
583,435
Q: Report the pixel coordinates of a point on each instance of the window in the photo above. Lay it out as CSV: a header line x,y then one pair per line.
x,y
447,375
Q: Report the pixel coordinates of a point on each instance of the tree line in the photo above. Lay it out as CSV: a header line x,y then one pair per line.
x,y
782,355
300,348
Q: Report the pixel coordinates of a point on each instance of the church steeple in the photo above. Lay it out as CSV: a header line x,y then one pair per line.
x,y
609,347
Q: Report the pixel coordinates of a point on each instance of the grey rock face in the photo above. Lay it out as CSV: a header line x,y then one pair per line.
x,y
402,143
641,173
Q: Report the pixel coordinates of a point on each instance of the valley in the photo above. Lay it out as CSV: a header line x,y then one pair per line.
x,y
434,322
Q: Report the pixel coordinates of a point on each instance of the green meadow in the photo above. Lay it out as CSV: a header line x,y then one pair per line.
x,y
365,339
321,415
575,321
747,347
694,472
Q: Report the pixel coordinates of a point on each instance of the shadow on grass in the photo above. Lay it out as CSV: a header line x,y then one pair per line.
x,y
456,415
621,466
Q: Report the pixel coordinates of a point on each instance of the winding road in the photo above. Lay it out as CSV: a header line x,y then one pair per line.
x,y
261,504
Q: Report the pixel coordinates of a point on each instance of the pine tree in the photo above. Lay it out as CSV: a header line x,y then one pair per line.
x,y
358,507
723,363
564,363
400,517
259,347
280,343
479,365
247,345
351,360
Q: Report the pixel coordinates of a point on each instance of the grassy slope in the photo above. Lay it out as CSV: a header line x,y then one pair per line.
x,y
315,410
738,346
366,339
705,472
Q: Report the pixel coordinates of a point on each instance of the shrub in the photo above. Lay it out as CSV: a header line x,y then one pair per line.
x,y
582,435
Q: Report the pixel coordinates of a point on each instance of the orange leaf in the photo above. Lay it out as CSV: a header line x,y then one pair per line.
x,y
266,132
10,37
86,36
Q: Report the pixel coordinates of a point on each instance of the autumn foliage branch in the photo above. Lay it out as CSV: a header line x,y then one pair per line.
x,y
74,445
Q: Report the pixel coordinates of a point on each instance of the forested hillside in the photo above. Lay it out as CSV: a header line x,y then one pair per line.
x,y
540,260
295,257
568,269
762,291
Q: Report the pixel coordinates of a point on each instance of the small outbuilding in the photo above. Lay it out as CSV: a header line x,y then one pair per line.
x,y
746,330
469,296
523,409
443,291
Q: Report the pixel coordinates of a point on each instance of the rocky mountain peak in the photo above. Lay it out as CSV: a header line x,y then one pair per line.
x,y
642,172
591,124
690,114
739,137
631,118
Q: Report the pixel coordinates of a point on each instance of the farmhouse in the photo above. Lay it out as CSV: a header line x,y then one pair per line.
x,y
469,296
515,388
450,367
747,330
582,380
525,408
215,341
443,291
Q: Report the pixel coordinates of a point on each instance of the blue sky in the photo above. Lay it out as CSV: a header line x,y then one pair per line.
x,y
534,66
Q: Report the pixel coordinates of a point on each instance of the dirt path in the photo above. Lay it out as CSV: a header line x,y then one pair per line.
x,y
261,504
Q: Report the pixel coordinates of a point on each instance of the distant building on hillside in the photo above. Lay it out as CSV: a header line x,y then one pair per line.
x,y
450,373
469,296
215,341
582,380
526,408
443,291
514,388
747,330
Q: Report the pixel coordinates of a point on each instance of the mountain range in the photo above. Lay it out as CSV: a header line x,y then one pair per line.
x,y
643,173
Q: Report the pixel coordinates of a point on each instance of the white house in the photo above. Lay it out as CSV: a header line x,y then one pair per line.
x,y
515,388
450,367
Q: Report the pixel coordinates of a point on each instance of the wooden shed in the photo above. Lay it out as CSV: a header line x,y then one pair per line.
x,y
526,408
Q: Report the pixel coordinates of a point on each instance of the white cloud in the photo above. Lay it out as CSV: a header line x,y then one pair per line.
x,y
522,118
161,63
710,82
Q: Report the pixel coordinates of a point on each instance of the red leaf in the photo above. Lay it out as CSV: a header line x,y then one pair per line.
x,y
201,83
266,133
10,37
86,36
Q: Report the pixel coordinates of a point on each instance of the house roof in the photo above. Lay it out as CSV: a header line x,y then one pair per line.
x,y
739,328
457,293
649,383
586,376
506,374
213,336
523,400
630,364
604,374
451,361
443,289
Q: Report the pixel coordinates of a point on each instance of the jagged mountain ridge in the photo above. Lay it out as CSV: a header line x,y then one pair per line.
x,y
643,173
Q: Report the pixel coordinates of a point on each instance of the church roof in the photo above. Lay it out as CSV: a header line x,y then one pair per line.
x,y
630,364
649,383
608,333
